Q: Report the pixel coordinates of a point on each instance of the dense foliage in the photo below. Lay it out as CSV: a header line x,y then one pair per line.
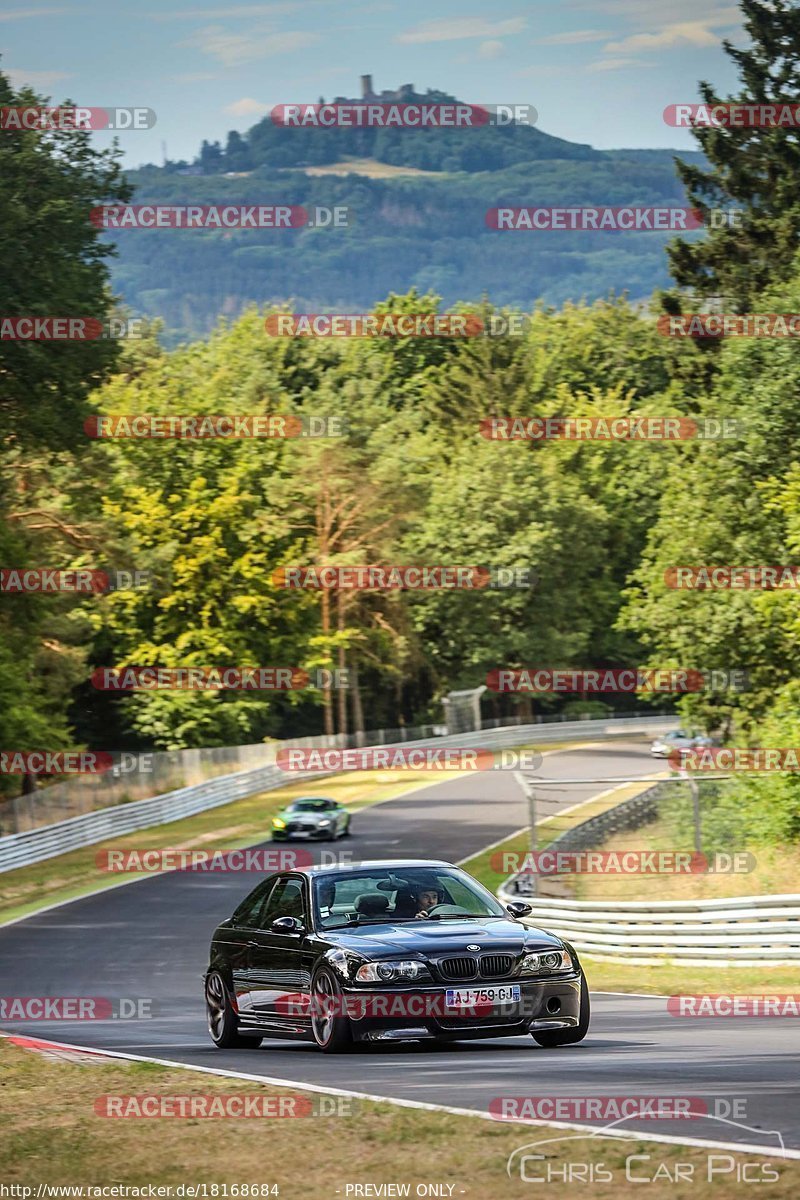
x,y
411,480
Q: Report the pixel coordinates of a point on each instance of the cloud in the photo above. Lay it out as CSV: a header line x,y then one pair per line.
x,y
679,10
227,14
451,29
35,79
19,14
574,38
615,64
685,33
246,108
690,26
233,49
490,49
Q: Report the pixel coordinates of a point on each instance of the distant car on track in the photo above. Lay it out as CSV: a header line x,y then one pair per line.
x,y
678,739
404,949
311,817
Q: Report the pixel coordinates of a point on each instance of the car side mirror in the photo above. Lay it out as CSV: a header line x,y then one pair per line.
x,y
518,908
287,925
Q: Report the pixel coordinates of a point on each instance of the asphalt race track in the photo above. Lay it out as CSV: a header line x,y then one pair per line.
x,y
150,939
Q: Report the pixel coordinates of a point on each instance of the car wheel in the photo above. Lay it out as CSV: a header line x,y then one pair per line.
x,y
346,830
567,1037
331,1028
222,1021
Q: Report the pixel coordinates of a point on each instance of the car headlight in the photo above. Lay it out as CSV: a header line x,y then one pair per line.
x,y
390,972
549,960
277,823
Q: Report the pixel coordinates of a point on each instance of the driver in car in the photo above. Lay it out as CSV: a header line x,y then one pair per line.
x,y
425,898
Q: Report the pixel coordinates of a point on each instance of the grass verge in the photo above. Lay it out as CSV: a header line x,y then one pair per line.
x,y
777,871
229,827
52,1136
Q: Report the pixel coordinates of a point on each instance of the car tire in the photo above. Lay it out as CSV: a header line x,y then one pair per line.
x,y
223,1024
332,1031
567,1037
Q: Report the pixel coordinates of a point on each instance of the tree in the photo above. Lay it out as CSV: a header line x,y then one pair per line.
x,y
756,170
53,265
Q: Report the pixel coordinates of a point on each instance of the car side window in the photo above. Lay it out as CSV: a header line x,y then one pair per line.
x,y
285,901
248,913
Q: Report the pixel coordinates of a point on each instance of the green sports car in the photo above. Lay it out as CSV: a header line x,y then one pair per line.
x,y
311,817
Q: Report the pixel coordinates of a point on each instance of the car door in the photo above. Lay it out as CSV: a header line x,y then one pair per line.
x,y
279,964
244,923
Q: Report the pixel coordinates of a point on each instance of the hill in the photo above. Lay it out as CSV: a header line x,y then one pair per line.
x,y
419,222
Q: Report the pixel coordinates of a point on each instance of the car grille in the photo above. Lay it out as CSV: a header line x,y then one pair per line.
x,y
493,965
489,966
458,968
300,827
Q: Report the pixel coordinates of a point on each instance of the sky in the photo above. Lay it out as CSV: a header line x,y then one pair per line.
x,y
597,71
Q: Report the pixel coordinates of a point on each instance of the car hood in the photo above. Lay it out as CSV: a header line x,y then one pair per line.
x,y
293,815
441,937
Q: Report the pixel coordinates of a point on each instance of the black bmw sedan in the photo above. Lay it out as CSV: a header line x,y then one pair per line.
x,y
388,950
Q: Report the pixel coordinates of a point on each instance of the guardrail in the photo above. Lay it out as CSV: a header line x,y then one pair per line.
x,y
143,775
737,931
35,845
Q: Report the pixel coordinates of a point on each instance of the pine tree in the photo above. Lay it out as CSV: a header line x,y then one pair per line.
x,y
755,170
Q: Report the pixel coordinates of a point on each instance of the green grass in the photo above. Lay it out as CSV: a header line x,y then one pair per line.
x,y
481,864
228,827
777,870
52,1135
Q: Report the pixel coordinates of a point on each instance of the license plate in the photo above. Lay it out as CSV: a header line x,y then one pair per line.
x,y
468,997
302,833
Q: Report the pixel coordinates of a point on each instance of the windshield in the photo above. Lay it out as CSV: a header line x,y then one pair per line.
x,y
310,806
403,894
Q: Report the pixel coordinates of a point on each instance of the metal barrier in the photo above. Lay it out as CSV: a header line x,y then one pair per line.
x,y
739,931
35,845
141,775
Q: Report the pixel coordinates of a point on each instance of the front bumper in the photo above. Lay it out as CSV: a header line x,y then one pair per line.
x,y
381,1014
313,835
